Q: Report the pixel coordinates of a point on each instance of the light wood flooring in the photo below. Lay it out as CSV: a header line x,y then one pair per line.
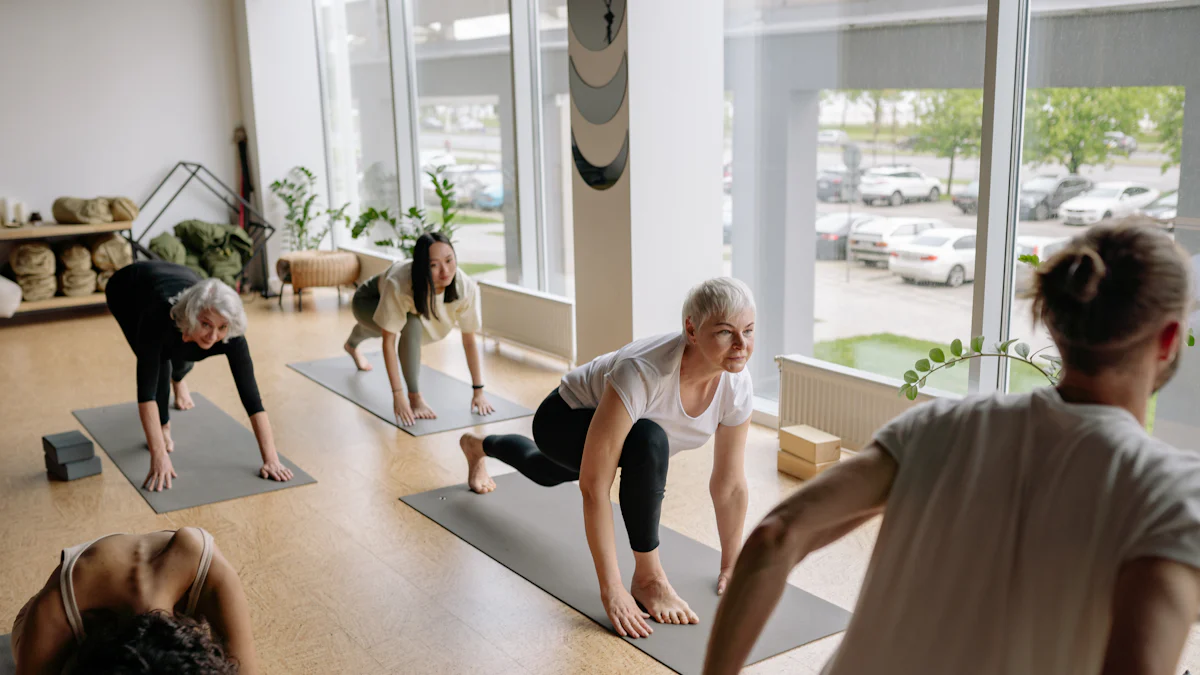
x,y
341,576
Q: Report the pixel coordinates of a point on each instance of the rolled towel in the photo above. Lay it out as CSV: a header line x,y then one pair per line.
x,y
75,257
37,286
75,211
10,297
123,209
32,258
79,282
111,252
102,279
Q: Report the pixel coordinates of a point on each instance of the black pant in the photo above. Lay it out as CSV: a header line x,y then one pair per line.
x,y
556,451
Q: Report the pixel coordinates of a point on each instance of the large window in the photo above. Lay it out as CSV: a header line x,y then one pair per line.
x,y
850,181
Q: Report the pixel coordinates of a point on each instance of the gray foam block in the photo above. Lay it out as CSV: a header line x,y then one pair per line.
x,y
216,458
370,390
74,470
538,533
8,666
69,446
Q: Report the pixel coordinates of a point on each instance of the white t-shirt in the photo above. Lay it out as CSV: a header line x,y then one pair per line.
x,y
645,374
396,303
1008,521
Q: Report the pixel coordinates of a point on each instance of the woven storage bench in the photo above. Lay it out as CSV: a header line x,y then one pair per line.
x,y
317,269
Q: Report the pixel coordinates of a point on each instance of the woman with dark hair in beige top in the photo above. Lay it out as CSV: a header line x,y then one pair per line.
x,y
163,602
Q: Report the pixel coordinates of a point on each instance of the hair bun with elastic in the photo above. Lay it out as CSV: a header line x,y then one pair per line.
x,y
1085,272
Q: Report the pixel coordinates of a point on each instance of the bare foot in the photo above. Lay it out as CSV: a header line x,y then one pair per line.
x,y
420,408
477,476
183,397
359,360
661,601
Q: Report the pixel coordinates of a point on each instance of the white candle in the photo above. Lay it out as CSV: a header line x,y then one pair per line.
x,y
3,212
18,213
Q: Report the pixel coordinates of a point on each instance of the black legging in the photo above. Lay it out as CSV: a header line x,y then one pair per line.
x,y
555,453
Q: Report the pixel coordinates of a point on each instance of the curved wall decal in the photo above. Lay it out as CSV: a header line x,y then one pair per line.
x,y
600,177
595,22
600,142
599,104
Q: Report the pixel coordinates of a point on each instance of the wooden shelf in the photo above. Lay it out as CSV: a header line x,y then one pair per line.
x,y
52,230
62,302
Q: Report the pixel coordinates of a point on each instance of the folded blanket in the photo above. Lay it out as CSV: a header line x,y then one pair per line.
x,y
223,264
75,257
123,209
111,252
76,211
78,282
168,247
37,286
102,279
32,258
200,237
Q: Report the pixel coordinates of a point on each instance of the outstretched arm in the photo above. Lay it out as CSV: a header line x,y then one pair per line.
x,y
729,494
46,635
1154,604
223,604
472,348
824,510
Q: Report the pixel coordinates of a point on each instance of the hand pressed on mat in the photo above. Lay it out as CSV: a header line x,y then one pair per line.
x,y
275,470
161,473
480,404
402,409
627,618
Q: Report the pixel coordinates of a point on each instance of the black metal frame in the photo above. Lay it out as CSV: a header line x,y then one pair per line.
x,y
257,226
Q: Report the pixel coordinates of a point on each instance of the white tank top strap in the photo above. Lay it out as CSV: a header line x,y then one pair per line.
x,y
201,572
66,585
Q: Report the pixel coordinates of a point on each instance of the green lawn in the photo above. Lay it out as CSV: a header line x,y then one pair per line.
x,y
478,268
891,355
467,218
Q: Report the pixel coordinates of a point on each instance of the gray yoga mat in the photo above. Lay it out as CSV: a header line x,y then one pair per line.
x,y
8,666
538,533
216,458
370,390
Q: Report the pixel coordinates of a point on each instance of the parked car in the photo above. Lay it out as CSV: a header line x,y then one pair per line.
x,y
1043,248
490,195
1121,142
1042,196
833,184
1107,200
873,241
944,256
896,185
834,230
967,198
832,137
469,124
1165,208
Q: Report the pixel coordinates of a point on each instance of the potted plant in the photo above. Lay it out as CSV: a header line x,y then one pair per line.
x,y
404,230
297,191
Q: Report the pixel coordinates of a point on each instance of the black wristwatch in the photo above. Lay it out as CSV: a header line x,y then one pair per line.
x,y
477,386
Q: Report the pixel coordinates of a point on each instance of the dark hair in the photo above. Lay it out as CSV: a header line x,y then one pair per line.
x,y
153,643
1109,289
422,275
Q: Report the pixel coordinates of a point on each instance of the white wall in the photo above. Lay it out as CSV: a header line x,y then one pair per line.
x,y
103,98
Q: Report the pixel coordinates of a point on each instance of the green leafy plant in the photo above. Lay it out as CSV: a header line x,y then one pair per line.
x,y
297,190
406,228
1051,364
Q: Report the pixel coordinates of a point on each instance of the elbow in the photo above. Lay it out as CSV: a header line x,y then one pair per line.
x,y
723,493
775,539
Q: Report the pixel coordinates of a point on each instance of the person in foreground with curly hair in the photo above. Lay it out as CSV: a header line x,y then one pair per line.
x,y
1040,533
138,604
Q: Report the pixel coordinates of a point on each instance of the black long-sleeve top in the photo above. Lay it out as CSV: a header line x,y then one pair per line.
x,y
139,297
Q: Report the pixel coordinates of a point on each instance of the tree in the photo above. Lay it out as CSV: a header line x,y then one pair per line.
x,y
949,124
878,100
1167,115
849,98
1067,126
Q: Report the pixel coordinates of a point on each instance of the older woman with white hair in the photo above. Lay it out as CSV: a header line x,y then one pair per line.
x,y
635,408
171,318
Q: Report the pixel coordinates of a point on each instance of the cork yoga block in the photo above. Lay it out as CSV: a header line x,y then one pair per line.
x,y
812,445
799,468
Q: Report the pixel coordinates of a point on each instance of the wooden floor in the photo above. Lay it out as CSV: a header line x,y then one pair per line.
x,y
341,576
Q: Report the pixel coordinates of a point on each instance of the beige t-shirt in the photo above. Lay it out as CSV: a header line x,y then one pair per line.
x,y
1008,521
396,303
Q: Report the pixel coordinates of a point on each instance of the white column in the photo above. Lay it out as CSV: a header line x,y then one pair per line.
x,y
643,241
404,101
527,117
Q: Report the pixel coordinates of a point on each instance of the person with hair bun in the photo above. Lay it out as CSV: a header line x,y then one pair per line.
x,y
635,408
171,319
1039,533
138,604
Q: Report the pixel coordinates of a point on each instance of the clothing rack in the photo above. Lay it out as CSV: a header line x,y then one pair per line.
x,y
257,226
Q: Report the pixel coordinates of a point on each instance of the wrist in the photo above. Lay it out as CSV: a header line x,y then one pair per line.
x,y
477,387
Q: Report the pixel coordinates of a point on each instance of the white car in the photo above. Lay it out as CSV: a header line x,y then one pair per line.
x,y
832,137
871,242
434,158
944,256
1043,248
1106,200
897,185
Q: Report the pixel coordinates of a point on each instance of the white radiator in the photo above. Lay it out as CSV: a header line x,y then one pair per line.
x,y
850,404
539,321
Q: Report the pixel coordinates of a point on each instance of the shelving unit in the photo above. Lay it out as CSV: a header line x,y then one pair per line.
x,y
54,231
